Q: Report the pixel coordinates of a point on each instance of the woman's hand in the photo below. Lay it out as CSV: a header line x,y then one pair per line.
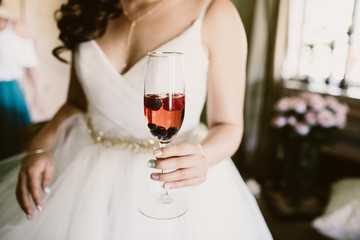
x,y
188,160
28,183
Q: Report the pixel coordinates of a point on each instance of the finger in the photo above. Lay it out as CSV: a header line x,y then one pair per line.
x,y
33,186
23,195
19,193
177,175
175,162
184,183
46,178
178,150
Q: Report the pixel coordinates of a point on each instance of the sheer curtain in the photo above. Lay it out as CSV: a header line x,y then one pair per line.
x,y
267,44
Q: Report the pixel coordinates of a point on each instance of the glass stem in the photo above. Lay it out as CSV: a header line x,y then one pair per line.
x,y
164,194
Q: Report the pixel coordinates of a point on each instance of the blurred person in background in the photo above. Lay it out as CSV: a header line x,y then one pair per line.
x,y
17,53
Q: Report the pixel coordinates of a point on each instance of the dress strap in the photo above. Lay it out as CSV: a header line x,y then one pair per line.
x,y
203,11
9,25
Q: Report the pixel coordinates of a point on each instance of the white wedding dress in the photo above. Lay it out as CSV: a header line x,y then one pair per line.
x,y
96,186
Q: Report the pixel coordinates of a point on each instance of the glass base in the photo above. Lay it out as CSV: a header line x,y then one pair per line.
x,y
163,206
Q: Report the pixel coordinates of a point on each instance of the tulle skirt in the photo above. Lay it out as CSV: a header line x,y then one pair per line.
x,y
96,188
14,116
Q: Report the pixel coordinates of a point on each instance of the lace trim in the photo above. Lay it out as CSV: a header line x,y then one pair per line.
x,y
100,138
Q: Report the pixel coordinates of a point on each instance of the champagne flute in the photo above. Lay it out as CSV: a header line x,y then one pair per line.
x,y
164,108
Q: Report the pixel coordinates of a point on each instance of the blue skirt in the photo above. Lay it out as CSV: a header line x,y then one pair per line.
x,y
14,116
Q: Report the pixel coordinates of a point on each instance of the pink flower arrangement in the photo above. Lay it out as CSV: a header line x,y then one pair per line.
x,y
303,124
309,115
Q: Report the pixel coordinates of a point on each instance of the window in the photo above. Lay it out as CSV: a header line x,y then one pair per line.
x,y
324,42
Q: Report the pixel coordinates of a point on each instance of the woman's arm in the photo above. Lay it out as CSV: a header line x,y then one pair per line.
x,y
75,102
31,74
42,165
224,36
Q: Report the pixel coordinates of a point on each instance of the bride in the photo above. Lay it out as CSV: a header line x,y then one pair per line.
x,y
73,184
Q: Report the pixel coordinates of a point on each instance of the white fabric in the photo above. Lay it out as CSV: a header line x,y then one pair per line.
x,y
15,53
96,188
341,219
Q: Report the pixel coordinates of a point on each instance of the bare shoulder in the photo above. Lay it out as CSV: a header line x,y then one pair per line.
x,y
19,29
222,8
222,20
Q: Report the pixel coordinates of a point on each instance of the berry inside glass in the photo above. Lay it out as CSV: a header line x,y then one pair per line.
x,y
164,115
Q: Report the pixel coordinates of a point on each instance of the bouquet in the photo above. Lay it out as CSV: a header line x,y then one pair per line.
x,y
303,124
310,117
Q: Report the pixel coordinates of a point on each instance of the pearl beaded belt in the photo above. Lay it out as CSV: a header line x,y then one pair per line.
x,y
134,145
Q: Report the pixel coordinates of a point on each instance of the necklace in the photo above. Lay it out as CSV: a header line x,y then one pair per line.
x,y
133,22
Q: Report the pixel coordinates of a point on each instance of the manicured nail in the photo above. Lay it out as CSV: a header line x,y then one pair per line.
x,y
155,176
47,190
39,208
157,153
151,164
28,217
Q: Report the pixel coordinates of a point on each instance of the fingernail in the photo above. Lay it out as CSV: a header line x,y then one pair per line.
x,y
151,164
28,217
39,208
155,176
157,153
167,186
47,190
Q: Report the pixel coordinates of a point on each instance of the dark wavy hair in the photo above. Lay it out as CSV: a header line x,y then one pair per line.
x,y
83,20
